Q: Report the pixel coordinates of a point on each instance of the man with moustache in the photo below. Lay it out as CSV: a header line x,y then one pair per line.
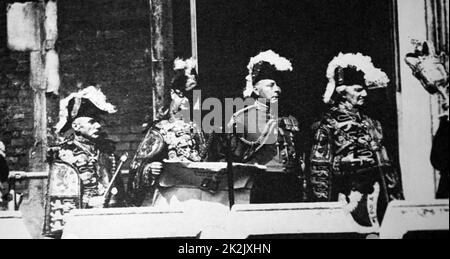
x,y
348,160
83,163
260,136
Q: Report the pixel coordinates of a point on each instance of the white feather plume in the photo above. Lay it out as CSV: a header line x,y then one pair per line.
x,y
185,64
92,93
269,56
372,75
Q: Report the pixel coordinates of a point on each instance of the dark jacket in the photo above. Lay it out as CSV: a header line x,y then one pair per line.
x,y
4,169
439,157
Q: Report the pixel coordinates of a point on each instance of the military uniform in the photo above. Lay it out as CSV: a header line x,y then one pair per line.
x,y
348,155
82,165
95,164
260,137
172,143
171,140
348,161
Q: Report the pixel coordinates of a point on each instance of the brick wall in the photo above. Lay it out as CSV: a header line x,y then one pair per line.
x,y
104,42
101,41
16,101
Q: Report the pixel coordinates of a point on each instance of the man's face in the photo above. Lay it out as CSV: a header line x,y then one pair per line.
x,y
268,89
179,102
87,127
354,94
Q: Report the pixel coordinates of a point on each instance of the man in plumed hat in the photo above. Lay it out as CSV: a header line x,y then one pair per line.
x,y
348,160
173,139
85,149
260,136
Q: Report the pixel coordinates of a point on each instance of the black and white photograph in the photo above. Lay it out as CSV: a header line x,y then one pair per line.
x,y
232,120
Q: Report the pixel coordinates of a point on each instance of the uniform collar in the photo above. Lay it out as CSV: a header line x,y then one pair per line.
x,y
265,108
83,140
261,106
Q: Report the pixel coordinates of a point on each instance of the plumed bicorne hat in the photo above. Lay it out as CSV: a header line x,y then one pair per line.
x,y
266,65
351,69
186,81
88,102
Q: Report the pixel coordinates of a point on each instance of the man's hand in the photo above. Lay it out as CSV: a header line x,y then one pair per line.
x,y
152,171
156,168
96,202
